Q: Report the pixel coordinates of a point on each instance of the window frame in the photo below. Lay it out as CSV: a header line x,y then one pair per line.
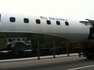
x,y
26,20
58,22
48,22
38,21
67,23
12,19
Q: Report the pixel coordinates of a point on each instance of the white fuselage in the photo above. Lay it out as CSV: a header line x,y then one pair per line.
x,y
75,31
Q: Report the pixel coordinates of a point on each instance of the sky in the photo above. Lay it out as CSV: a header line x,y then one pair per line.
x,y
80,9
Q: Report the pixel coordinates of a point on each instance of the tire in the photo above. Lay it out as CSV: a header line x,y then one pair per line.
x,y
89,57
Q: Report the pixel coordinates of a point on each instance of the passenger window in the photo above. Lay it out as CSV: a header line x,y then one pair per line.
x,y
38,21
48,22
66,23
57,22
26,20
12,19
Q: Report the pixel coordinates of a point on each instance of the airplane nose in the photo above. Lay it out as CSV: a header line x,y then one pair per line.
x,y
0,17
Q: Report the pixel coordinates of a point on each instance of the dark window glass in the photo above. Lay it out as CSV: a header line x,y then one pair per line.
x,y
57,22
48,22
38,21
12,19
66,23
26,20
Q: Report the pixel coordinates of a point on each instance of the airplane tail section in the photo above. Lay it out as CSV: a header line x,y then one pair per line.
x,y
91,35
91,21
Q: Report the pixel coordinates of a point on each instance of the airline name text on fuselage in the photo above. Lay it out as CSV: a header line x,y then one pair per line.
x,y
53,18
58,19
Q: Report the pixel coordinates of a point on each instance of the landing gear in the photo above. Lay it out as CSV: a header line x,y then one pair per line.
x,y
89,57
18,44
89,52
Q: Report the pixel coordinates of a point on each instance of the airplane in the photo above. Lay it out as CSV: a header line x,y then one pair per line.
x,y
73,30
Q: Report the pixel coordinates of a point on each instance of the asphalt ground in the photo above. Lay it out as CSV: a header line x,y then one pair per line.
x,y
49,63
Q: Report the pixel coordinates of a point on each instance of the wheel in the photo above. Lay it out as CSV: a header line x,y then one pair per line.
x,y
89,57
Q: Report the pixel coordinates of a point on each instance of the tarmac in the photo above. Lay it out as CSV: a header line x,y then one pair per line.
x,y
36,58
